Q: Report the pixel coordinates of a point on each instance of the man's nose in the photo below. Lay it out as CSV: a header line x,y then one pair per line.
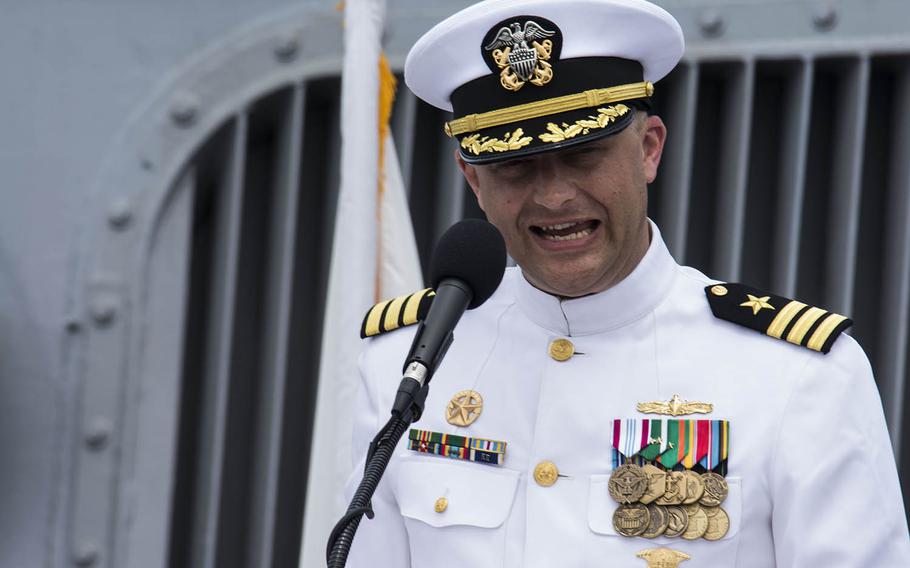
x,y
552,190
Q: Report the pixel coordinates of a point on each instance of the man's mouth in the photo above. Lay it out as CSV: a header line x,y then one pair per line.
x,y
566,231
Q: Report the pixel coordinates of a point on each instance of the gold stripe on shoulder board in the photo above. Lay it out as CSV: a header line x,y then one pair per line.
x,y
373,318
821,335
391,314
397,312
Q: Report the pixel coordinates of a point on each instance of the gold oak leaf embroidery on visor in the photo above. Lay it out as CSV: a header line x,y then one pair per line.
x,y
512,141
605,117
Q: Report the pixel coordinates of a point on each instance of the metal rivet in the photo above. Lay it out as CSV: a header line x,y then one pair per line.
x,y
98,433
72,325
119,214
86,554
287,48
824,17
103,309
184,109
711,22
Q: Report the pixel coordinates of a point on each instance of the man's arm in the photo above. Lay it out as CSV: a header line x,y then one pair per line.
x,y
382,541
836,496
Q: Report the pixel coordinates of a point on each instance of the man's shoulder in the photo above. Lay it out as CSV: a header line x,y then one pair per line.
x,y
769,314
394,313
409,309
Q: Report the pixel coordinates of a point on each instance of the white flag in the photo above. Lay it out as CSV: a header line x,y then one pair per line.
x,y
374,256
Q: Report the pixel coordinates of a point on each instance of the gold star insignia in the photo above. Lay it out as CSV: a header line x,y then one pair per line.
x,y
464,408
757,304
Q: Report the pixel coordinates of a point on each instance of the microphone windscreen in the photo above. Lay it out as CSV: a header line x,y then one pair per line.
x,y
474,252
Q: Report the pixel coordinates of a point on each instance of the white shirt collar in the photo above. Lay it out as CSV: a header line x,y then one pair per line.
x,y
636,295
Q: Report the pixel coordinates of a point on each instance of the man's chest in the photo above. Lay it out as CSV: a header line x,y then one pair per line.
x,y
565,411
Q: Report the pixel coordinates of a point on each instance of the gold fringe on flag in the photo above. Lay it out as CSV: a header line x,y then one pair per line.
x,y
387,86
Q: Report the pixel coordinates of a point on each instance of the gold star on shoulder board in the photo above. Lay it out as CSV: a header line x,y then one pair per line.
x,y
757,304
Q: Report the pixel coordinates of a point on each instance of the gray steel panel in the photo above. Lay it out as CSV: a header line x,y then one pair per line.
x,y
96,477
733,166
156,392
792,180
276,328
848,163
220,333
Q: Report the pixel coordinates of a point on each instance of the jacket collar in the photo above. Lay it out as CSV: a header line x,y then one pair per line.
x,y
635,296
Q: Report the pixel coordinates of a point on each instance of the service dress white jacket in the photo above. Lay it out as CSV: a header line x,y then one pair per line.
x,y
812,479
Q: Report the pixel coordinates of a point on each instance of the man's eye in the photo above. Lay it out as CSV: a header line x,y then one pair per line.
x,y
514,164
511,168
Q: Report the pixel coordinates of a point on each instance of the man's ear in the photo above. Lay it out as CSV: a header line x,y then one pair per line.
x,y
655,134
470,174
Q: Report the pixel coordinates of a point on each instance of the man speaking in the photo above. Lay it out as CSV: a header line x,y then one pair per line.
x,y
607,407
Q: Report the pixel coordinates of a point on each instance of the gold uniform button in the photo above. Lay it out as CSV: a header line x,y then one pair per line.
x,y
441,505
719,290
561,349
545,473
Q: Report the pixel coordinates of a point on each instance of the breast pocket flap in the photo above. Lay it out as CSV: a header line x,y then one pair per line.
x,y
442,493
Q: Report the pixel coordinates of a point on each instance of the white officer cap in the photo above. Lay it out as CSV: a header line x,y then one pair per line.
x,y
529,76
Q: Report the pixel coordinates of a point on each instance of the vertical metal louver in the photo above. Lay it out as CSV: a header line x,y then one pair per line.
x,y
262,223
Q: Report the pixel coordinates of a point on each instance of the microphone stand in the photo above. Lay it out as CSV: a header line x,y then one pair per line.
x,y
381,449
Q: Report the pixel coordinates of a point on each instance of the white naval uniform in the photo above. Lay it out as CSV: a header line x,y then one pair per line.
x,y
811,472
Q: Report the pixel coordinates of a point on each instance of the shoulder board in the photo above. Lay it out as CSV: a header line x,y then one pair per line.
x,y
397,312
776,316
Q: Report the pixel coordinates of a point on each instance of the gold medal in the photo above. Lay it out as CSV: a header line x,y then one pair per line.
x,y
628,483
718,523
716,489
631,520
659,522
695,487
657,483
677,523
698,522
676,489
464,408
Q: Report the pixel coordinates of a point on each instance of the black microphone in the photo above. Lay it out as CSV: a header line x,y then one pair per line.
x,y
468,264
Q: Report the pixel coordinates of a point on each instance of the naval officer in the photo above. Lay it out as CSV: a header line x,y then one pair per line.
x,y
608,407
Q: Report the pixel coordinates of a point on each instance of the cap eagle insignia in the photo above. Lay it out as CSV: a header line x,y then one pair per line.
x,y
525,54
